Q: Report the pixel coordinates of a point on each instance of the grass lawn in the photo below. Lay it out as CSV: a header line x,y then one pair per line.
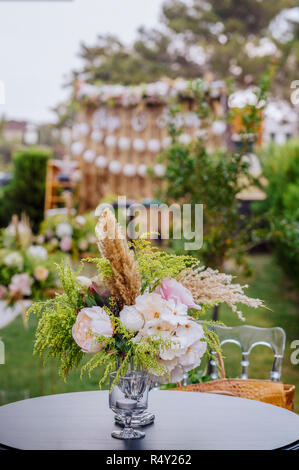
x,y
23,375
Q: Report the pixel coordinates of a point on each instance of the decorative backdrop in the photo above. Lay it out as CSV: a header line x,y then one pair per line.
x,y
119,132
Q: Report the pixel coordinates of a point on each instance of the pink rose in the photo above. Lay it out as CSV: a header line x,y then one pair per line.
x,y
20,285
3,291
66,244
170,289
90,323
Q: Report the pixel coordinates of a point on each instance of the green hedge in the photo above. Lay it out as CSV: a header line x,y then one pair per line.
x,y
26,191
281,168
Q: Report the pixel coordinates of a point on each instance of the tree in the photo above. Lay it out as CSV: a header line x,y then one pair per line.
x,y
25,193
195,175
228,37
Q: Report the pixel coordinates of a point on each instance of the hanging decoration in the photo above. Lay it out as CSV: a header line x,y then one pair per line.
x,y
124,143
77,148
139,145
115,167
101,161
129,170
139,122
89,156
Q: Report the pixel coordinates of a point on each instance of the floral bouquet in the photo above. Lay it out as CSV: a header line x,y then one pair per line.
x,y
70,234
26,273
142,307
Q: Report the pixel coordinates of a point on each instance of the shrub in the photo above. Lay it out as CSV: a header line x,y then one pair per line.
x,y
26,191
281,168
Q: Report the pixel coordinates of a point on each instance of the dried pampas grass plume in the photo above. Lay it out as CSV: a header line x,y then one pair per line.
x,y
211,286
125,281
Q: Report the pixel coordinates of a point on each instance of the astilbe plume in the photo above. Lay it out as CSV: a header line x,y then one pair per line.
x,y
124,282
209,286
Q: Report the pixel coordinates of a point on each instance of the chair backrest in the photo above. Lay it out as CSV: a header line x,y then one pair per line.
x,y
247,337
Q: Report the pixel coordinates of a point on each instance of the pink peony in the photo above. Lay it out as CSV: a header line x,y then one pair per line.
x,y
3,291
90,323
20,284
66,244
170,289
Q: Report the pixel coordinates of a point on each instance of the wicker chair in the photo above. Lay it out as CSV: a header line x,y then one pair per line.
x,y
247,337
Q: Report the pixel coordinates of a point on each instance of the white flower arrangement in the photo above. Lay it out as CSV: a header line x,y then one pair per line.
x,y
139,308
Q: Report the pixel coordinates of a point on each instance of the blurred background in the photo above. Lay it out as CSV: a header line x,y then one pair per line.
x,y
172,101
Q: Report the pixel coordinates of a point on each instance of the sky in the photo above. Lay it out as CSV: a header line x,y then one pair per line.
x,y
39,43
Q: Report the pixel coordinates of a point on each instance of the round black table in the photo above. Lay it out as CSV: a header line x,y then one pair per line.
x,y
184,420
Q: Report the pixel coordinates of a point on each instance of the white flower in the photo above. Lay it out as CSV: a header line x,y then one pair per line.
x,y
152,307
193,355
20,284
80,220
179,312
158,327
189,333
37,252
185,139
131,318
14,260
64,230
177,374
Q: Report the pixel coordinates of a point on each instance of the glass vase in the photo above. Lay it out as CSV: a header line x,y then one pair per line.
x,y
128,399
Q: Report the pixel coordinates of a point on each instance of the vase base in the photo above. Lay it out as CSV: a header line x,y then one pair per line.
x,y
128,436
144,419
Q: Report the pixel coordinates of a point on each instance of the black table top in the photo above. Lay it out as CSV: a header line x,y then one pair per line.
x,y
184,420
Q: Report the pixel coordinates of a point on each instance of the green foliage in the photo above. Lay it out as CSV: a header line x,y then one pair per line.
x,y
219,31
285,234
54,332
26,191
103,266
71,286
195,175
56,319
155,265
281,168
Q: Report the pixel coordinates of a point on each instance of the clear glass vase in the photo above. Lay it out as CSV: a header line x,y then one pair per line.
x,y
140,419
128,399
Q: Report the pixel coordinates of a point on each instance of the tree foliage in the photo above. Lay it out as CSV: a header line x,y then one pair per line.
x,y
197,175
25,193
195,38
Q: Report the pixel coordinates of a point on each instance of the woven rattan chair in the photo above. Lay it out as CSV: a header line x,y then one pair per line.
x,y
247,337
